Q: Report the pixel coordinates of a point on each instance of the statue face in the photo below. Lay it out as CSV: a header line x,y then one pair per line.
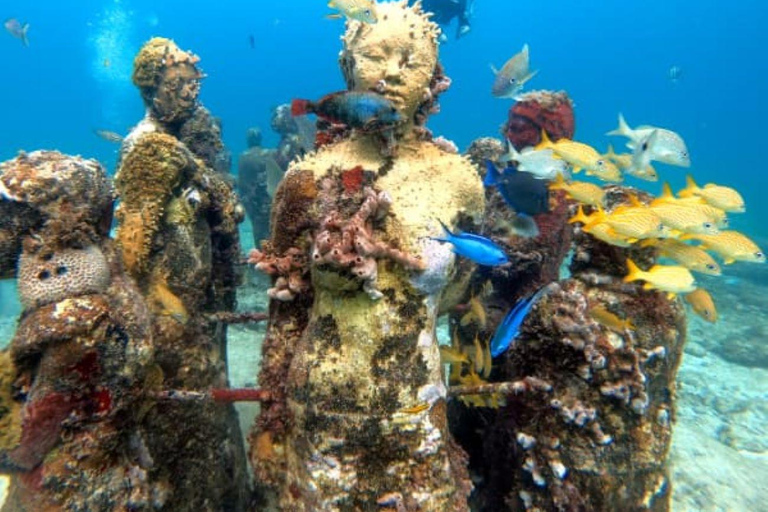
x,y
396,65
177,93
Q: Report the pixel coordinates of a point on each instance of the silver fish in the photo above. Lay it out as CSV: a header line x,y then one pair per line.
x,y
109,136
669,147
541,163
512,76
17,30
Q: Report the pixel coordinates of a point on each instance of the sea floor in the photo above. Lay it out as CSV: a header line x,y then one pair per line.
x,y
720,448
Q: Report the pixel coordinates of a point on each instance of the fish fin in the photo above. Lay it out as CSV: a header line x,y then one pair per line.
x,y
335,16
690,187
728,261
610,154
332,4
301,107
491,178
577,169
527,77
623,129
493,69
634,201
634,272
671,295
24,39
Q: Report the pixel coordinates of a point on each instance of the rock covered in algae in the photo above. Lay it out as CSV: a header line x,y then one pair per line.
x,y
357,419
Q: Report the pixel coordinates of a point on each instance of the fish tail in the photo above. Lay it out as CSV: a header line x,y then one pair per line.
x,y
559,183
690,187
24,30
302,107
634,272
579,217
545,140
623,129
448,234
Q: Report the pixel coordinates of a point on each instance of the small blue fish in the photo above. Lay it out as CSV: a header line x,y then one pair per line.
x,y
510,327
477,248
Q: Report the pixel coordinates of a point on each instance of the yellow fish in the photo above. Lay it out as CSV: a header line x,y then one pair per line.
x,y
361,10
582,156
635,223
725,198
624,162
604,317
681,217
597,229
476,314
665,278
730,245
717,215
702,304
451,355
581,191
692,258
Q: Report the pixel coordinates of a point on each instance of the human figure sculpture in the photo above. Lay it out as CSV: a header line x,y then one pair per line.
x,y
357,415
177,230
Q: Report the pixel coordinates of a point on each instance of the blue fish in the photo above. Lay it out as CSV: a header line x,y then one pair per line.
x,y
520,190
510,327
477,248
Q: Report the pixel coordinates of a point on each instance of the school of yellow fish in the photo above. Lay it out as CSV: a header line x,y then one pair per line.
x,y
684,228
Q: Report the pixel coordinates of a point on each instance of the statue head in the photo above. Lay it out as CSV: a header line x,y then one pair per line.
x,y
168,78
397,56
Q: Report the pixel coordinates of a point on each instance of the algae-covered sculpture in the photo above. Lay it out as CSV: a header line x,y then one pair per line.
x,y
71,395
357,416
177,231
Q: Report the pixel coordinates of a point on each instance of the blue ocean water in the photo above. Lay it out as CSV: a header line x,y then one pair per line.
x,y
609,56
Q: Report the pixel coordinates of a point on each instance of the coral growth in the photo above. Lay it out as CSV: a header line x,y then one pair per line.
x,y
149,173
46,276
350,243
536,111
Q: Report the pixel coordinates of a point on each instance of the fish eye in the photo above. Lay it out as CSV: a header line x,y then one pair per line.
x,y
367,12
512,80
661,227
706,313
711,266
759,255
707,225
600,163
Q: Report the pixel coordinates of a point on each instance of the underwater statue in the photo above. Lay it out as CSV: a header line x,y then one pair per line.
x,y
357,418
177,232
71,381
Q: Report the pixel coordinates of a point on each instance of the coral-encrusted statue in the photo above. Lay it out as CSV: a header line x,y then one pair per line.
x,y
357,417
71,381
177,230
